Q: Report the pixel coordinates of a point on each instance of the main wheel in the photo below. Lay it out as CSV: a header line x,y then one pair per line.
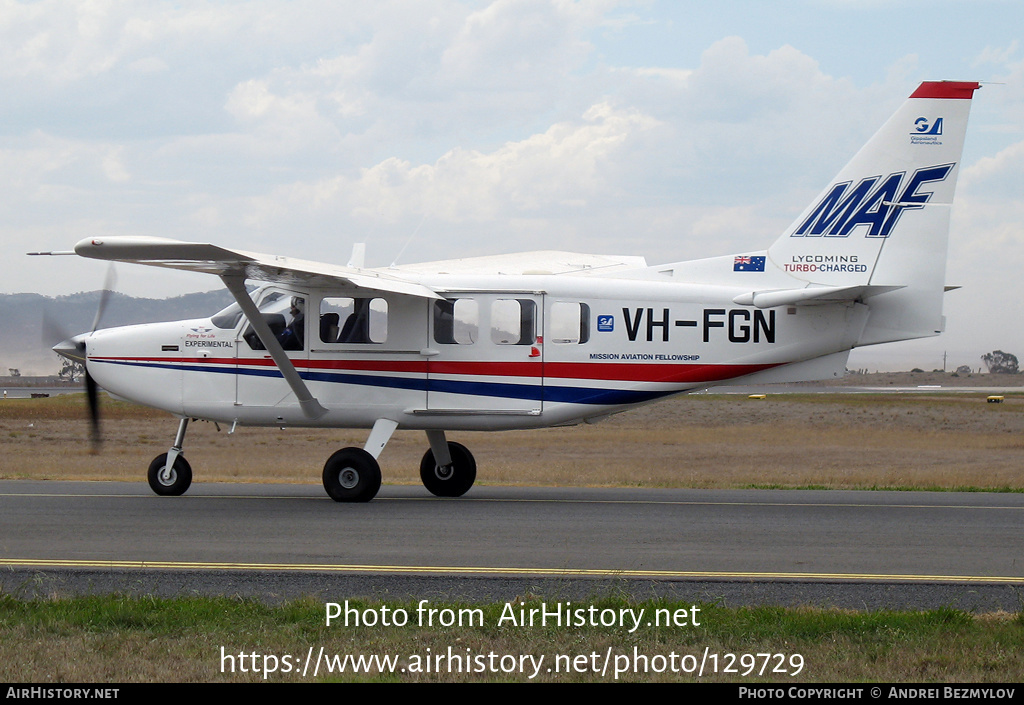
x,y
452,480
352,475
170,483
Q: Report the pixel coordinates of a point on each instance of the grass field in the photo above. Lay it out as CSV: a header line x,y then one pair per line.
x,y
849,441
119,639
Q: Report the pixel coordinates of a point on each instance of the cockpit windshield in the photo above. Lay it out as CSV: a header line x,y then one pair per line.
x,y
227,317
283,312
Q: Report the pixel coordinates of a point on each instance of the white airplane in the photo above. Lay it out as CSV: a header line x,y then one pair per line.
x,y
541,338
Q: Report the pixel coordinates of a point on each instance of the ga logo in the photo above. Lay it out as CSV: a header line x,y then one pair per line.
x,y
605,324
923,127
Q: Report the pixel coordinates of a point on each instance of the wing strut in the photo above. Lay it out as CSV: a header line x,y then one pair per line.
x,y
310,406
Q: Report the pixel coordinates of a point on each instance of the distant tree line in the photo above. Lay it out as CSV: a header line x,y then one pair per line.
x,y
999,362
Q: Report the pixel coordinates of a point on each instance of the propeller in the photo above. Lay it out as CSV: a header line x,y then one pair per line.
x,y
93,397
74,348
109,282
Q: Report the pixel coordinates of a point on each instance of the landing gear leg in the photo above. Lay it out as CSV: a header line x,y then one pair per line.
x,y
353,474
448,468
170,474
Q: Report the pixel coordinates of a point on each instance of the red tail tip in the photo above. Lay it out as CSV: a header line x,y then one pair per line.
x,y
963,90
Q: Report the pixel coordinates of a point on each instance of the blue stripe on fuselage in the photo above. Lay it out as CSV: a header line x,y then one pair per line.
x,y
504,390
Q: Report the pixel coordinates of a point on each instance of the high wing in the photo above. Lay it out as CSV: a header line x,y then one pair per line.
x,y
221,261
234,267
536,262
213,259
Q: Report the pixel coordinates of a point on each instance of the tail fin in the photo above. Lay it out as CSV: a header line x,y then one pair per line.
x,y
884,220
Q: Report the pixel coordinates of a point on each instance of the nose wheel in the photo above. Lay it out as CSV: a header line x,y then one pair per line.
x,y
170,474
169,481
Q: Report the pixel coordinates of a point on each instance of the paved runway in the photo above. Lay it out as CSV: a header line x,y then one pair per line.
x,y
966,542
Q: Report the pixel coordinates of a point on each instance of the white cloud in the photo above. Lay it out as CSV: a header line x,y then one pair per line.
x,y
996,55
568,166
518,43
447,111
1000,174
36,165
301,127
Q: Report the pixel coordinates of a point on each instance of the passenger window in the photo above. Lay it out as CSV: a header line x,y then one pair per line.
x,y
349,321
513,322
456,321
570,323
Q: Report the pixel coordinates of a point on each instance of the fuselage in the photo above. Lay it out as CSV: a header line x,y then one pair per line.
x,y
499,352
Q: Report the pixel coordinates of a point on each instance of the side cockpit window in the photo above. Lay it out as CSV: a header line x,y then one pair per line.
x,y
285,315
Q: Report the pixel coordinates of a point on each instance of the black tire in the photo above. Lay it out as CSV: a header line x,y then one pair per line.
x,y
179,481
454,481
352,475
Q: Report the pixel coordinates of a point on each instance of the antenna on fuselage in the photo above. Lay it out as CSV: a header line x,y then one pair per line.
x,y
402,251
357,259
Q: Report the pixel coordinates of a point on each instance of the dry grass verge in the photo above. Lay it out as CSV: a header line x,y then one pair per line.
x,y
705,441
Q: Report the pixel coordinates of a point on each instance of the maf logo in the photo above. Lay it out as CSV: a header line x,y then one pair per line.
x,y
876,202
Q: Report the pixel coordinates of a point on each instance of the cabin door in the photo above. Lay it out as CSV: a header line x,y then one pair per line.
x,y
258,381
486,354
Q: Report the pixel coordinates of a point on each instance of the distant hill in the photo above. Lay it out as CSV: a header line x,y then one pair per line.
x,y
21,317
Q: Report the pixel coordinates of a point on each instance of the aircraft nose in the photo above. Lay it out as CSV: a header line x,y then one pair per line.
x,y
73,348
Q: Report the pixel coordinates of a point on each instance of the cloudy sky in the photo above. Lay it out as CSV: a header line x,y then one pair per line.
x,y
432,129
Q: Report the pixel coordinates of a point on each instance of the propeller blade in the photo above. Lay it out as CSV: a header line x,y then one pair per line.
x,y
108,287
52,332
92,395
74,348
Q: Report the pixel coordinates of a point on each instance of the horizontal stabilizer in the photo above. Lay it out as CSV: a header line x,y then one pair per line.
x,y
811,296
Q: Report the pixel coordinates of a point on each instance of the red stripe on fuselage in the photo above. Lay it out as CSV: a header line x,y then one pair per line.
x,y
595,371
630,372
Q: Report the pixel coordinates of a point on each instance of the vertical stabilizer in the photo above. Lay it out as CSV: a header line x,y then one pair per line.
x,y
884,220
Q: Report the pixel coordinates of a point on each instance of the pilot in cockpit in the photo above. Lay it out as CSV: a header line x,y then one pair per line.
x,y
292,336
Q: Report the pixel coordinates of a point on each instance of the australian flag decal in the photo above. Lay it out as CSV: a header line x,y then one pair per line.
x,y
748,264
